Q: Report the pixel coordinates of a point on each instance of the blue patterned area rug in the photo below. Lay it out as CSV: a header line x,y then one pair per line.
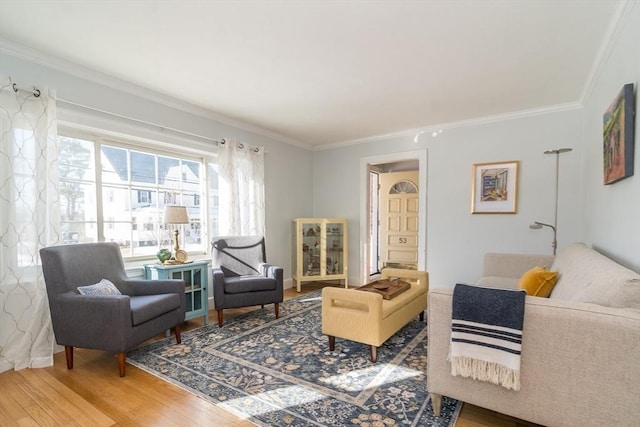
x,y
280,372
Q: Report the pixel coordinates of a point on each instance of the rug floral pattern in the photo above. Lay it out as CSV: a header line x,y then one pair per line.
x,y
279,372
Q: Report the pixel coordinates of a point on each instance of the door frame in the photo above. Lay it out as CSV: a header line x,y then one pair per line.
x,y
365,164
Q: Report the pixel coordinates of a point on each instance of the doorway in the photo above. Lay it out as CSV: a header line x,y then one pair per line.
x,y
372,169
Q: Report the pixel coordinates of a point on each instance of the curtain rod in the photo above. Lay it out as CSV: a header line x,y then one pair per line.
x,y
241,146
36,92
163,128
120,116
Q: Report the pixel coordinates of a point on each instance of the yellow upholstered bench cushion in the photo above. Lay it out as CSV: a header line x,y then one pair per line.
x,y
391,306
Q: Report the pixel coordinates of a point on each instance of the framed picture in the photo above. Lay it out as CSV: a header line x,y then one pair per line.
x,y
618,136
494,187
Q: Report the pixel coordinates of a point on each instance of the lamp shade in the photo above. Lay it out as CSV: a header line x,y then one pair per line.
x,y
176,215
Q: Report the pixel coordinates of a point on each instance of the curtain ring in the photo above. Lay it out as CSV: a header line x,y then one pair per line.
x,y
35,91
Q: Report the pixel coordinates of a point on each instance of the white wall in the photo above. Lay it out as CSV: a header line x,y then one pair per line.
x,y
287,168
456,239
613,211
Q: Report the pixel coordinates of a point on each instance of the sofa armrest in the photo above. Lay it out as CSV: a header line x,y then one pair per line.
x,y
513,265
575,358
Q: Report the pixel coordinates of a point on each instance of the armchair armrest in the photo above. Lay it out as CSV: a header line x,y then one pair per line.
x,y
116,307
137,287
110,317
218,284
273,272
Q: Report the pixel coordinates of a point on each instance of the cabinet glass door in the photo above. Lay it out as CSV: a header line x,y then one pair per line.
x,y
335,248
311,249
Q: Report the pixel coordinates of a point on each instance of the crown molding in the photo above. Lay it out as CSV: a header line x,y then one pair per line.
x,y
458,124
44,59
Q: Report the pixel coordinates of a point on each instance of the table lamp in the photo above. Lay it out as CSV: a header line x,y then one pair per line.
x,y
176,215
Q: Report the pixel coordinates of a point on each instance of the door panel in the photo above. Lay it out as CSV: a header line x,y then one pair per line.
x,y
412,225
404,256
394,205
393,224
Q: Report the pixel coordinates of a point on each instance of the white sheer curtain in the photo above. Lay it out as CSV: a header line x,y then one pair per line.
x,y
241,189
29,220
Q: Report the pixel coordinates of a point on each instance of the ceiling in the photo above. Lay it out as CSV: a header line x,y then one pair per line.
x,y
321,73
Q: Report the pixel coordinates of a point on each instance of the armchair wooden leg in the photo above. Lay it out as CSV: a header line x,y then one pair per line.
x,y
374,354
122,358
220,318
422,316
176,331
277,310
68,352
332,343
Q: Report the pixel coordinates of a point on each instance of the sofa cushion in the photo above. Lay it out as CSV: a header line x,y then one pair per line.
x,y
394,304
584,275
538,282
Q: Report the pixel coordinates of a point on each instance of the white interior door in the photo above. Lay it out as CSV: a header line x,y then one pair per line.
x,y
399,221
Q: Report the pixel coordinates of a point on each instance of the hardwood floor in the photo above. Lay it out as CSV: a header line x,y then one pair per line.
x,y
92,394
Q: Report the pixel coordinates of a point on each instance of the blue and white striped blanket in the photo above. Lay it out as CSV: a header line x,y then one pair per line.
x,y
486,334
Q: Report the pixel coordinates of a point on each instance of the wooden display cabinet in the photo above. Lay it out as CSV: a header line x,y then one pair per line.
x,y
319,250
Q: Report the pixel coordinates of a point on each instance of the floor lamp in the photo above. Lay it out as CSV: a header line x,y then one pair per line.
x,y
538,225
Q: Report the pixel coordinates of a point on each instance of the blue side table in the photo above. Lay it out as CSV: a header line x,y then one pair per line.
x,y
196,278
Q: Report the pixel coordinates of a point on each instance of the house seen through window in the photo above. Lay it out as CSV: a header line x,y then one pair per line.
x,y
110,191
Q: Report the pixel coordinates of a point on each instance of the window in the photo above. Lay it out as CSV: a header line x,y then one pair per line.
x,y
144,196
403,187
119,195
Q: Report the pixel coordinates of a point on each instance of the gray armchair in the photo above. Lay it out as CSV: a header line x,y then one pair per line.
x,y
115,323
241,276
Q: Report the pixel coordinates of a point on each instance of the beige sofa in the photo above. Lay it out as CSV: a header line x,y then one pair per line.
x,y
580,362
366,317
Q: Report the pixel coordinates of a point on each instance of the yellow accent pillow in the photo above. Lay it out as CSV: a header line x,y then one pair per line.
x,y
538,282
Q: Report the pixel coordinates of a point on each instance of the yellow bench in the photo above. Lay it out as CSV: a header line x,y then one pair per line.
x,y
366,317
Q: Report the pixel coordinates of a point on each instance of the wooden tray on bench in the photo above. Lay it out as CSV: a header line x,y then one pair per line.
x,y
389,289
